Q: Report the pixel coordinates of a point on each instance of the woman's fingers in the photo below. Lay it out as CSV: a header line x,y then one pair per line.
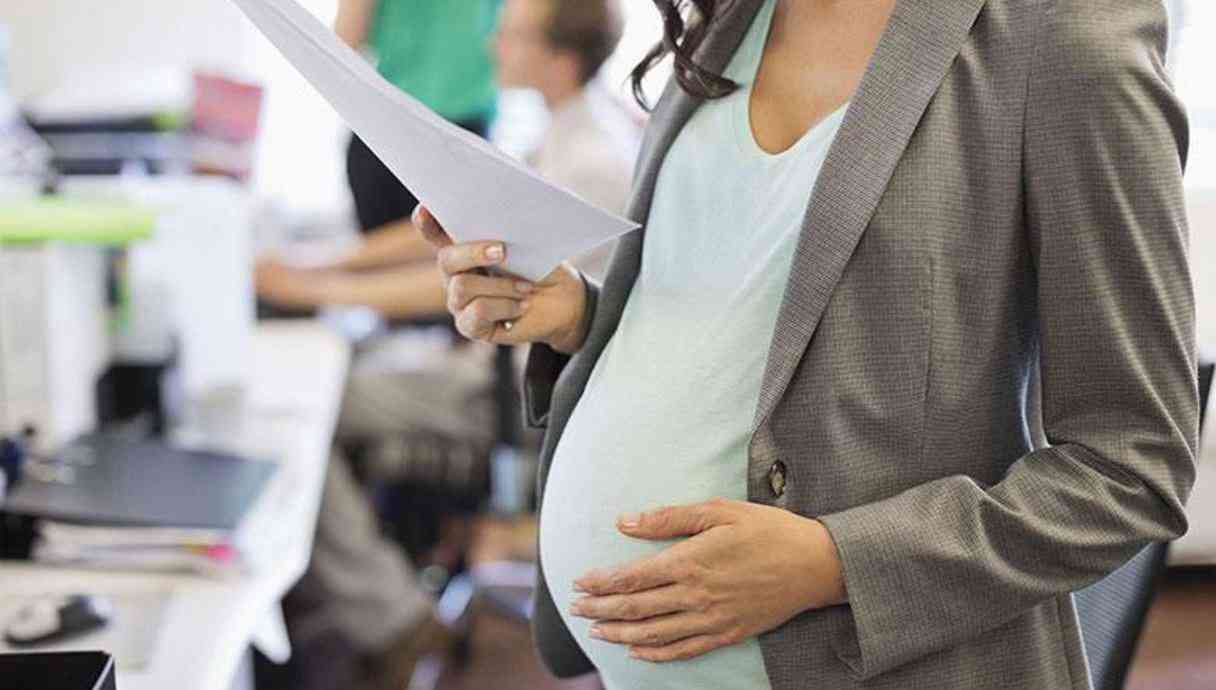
x,y
457,258
680,650
648,572
485,306
655,632
481,318
430,228
466,287
468,256
635,607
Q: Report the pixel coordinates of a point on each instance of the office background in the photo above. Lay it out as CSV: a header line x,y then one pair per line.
x,y
55,44
64,52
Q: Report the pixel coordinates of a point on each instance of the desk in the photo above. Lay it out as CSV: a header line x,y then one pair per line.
x,y
288,414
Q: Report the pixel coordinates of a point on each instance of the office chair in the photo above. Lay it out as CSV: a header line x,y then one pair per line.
x,y
1112,611
505,586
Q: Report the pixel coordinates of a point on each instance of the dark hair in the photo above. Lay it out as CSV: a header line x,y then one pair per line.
x,y
590,29
682,35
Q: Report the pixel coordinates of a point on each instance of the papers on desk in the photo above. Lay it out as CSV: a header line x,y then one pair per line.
x,y
107,502
474,190
206,552
112,482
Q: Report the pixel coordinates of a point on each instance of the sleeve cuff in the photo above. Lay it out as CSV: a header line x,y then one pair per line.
x,y
540,376
869,540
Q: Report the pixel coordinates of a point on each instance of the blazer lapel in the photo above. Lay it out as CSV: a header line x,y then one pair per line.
x,y
916,50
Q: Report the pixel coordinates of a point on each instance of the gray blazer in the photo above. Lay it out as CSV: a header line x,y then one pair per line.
x,y
1003,204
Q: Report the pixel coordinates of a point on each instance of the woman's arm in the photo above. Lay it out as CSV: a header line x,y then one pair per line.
x,y
354,20
1104,147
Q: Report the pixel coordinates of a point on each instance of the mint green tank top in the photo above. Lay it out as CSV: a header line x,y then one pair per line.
x,y
437,51
666,415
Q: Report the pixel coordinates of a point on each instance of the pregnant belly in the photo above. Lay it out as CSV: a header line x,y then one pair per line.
x,y
602,469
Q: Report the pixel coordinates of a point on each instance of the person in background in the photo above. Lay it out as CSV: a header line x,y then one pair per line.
x,y
360,583
589,147
436,52
556,48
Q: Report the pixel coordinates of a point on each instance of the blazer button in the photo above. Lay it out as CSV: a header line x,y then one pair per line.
x,y
776,478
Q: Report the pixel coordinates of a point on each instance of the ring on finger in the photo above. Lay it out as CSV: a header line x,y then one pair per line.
x,y
508,325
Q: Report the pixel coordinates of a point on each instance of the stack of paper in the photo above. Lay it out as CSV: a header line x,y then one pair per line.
x,y
208,552
474,190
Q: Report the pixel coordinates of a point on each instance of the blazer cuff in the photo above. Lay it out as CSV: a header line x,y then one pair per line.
x,y
864,537
545,365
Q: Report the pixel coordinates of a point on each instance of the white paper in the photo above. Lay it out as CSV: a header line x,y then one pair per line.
x,y
475,191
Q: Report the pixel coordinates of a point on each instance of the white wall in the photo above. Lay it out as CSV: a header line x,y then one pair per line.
x,y
1195,41
53,38
54,41
300,161
643,28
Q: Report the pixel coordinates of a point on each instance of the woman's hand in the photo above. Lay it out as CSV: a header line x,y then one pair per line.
x,y
506,310
746,569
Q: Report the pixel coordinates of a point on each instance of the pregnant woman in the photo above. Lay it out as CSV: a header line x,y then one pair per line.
x,y
902,355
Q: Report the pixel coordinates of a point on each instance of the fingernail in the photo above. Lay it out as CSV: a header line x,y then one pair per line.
x,y
494,253
629,520
580,588
523,306
596,632
525,288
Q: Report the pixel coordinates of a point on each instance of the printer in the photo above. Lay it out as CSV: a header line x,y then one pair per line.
x,y
53,340
151,274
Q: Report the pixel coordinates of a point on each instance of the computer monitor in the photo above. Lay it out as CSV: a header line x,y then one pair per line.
x,y
66,670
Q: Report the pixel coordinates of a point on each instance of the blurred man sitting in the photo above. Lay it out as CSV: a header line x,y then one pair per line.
x,y
589,147
366,588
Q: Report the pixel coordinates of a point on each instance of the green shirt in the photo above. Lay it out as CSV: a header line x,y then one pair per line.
x,y
437,51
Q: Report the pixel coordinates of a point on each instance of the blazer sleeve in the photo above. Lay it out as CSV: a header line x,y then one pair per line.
x,y
1104,149
555,646
545,364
